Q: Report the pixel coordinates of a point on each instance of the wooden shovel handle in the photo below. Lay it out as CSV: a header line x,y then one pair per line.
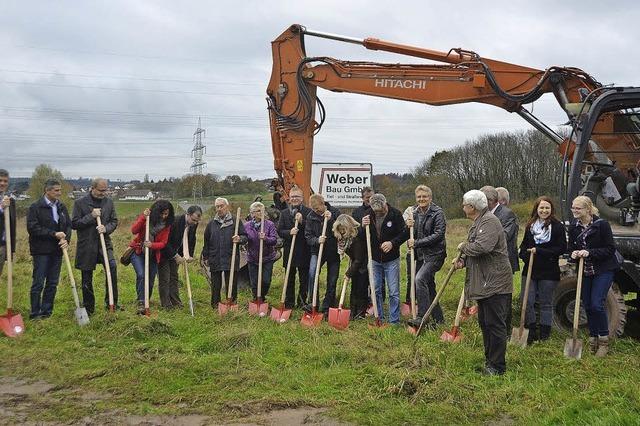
x,y
576,309
372,283
7,237
525,296
105,262
233,258
260,253
314,298
412,259
344,290
288,270
146,265
456,321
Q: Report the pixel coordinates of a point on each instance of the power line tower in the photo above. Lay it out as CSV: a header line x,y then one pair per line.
x,y
198,164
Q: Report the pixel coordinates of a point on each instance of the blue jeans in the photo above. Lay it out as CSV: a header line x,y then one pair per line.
x,y
45,268
267,271
333,270
540,291
594,294
137,260
389,272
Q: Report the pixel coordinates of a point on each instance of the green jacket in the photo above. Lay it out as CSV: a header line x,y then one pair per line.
x,y
486,259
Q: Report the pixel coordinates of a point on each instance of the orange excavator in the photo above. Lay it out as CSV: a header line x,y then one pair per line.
x,y
601,157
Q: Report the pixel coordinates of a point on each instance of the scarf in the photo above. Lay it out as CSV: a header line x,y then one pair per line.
x,y
155,229
343,246
225,221
541,234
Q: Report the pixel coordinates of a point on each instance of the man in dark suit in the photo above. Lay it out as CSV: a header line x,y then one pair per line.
x,y
175,253
7,202
301,253
49,228
509,222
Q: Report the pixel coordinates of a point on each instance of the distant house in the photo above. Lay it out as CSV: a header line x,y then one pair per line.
x,y
137,195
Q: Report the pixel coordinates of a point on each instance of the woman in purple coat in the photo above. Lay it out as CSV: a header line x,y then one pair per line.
x,y
270,237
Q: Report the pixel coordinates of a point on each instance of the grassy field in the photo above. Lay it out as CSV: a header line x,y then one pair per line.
x,y
230,367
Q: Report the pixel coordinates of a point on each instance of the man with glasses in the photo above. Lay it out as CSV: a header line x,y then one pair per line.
x,y
86,210
301,254
183,227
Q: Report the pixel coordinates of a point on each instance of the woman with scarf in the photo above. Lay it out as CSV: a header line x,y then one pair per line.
x,y
345,229
590,238
545,237
270,238
160,218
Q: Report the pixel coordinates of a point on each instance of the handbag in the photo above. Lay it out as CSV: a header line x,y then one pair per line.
x,y
125,259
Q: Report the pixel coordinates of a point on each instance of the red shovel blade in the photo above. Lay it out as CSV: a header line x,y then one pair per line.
x,y
258,308
412,330
339,318
311,319
11,324
280,315
226,307
453,336
405,309
377,324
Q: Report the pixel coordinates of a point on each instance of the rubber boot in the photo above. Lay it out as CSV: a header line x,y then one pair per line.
x,y
545,332
533,333
603,346
593,344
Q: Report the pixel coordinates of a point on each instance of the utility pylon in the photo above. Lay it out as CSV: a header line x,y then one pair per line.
x,y
197,153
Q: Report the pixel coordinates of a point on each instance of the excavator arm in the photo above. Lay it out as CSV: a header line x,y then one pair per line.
x,y
463,76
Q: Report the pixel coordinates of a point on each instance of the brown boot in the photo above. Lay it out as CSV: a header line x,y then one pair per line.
x,y
593,344
603,346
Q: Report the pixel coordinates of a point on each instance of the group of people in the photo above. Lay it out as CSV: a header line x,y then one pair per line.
x,y
489,254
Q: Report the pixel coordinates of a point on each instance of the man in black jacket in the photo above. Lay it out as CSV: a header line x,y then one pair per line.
x,y
360,211
509,222
218,244
301,254
387,235
89,250
49,230
7,202
175,253
313,234
430,249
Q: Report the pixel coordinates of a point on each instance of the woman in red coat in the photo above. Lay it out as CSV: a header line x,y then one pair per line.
x,y
160,219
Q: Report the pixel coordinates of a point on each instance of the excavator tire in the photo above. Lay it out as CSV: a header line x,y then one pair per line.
x,y
564,303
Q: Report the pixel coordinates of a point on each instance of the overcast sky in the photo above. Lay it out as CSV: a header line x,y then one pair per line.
x,y
116,88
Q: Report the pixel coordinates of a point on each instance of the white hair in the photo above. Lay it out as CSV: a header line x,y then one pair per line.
x,y
224,200
256,206
378,201
476,199
503,195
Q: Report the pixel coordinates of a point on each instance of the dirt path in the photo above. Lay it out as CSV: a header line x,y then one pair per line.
x,y
20,402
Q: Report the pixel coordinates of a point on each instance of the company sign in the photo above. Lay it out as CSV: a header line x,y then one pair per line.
x,y
341,183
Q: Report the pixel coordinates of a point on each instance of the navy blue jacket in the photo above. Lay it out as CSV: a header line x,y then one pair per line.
x,y
42,228
545,263
600,244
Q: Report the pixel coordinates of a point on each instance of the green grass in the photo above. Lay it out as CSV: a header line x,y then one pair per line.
x,y
233,366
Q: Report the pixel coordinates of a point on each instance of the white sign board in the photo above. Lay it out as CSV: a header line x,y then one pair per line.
x,y
340,183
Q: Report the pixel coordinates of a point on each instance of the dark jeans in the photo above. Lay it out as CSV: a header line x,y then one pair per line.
x,y
267,271
46,274
359,296
493,312
137,260
303,275
594,295
540,291
168,284
426,287
333,270
88,297
216,286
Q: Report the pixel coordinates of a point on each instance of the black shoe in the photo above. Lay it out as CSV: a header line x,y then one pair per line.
x,y
533,333
545,332
490,371
141,310
415,323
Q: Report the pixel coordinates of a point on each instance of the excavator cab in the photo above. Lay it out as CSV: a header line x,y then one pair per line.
x,y
601,160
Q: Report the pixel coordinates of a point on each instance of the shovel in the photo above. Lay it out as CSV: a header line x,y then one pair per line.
x,y
454,336
338,317
412,309
227,306
438,296
107,269
81,313
313,318
10,323
147,313
372,284
281,314
573,346
187,255
258,306
520,335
